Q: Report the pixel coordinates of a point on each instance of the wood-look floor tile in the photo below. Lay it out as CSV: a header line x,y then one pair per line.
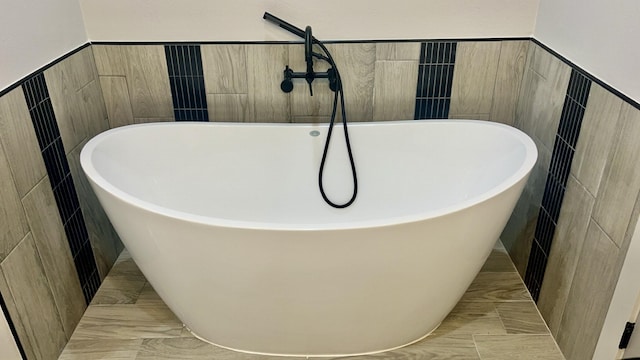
x,y
149,296
521,317
433,348
114,349
119,290
517,347
498,261
125,266
192,349
496,286
127,321
469,319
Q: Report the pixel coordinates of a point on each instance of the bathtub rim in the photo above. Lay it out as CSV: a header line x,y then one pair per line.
x,y
97,180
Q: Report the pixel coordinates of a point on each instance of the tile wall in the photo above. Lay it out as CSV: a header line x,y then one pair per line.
x,y
516,82
584,238
55,241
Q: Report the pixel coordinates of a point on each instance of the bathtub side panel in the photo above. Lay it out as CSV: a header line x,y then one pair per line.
x,y
310,292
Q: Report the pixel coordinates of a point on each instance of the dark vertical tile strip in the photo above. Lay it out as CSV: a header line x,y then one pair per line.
x,y
564,147
184,63
435,77
12,327
64,191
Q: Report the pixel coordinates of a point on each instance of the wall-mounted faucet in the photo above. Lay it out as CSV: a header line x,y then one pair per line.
x,y
310,75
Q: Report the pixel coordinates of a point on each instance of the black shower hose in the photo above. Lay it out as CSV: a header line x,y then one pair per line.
x,y
339,92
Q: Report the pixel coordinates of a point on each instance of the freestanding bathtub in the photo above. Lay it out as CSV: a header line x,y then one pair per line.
x,y
227,224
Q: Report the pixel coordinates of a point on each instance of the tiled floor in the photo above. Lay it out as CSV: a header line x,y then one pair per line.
x,y
496,319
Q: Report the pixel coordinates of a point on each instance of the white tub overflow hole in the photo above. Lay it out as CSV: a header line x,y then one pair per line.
x,y
314,133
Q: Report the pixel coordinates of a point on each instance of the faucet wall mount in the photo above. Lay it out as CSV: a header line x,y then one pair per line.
x,y
310,75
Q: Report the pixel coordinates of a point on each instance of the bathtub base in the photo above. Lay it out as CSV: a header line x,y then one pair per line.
x,y
312,355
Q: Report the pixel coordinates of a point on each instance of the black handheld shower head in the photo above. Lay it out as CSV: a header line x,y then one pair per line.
x,y
285,25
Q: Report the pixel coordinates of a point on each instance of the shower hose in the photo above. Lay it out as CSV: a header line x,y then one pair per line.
x,y
338,93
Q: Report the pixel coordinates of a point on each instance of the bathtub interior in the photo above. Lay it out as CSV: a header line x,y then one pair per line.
x,y
267,174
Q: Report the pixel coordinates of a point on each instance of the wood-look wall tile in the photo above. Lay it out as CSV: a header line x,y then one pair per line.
x,y
225,69
513,57
385,51
101,233
111,60
36,306
356,63
313,119
127,321
117,100
565,251
93,108
486,117
521,317
114,349
474,77
12,308
496,286
151,120
394,90
65,98
542,97
51,242
19,141
302,104
266,101
148,81
591,291
398,51
82,68
596,137
621,180
517,347
227,107
13,222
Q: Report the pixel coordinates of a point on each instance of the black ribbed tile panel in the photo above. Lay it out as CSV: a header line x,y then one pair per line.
x,y
55,160
435,78
564,147
186,77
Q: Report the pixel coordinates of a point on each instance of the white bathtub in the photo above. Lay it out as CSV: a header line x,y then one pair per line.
x,y
227,224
